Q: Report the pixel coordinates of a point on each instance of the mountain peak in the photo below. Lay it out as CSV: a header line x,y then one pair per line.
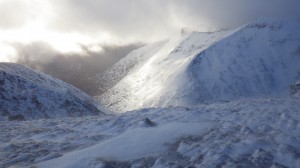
x,y
259,59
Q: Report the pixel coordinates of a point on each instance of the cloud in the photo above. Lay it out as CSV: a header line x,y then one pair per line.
x,y
36,52
17,13
129,21
15,19
232,13
151,20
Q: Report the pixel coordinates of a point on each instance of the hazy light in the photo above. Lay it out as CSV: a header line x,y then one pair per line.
x,y
36,29
71,26
7,53
62,42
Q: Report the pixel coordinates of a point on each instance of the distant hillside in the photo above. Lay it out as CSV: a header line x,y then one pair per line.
x,y
26,94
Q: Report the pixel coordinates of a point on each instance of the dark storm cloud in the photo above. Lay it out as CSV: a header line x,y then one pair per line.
x,y
76,69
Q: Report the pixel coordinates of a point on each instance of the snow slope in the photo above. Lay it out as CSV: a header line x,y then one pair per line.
x,y
112,76
245,133
260,59
26,94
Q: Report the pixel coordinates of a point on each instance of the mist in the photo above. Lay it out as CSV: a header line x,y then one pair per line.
x,y
75,69
130,21
149,21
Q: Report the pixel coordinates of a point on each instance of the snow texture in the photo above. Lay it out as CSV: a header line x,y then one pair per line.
x,y
26,94
244,133
260,59
295,89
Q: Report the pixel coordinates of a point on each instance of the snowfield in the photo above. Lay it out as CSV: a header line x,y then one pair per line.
x,y
244,133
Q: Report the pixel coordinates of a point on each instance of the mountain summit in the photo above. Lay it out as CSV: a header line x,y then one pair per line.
x,y
260,59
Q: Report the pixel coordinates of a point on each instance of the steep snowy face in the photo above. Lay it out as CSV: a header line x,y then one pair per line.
x,y
133,60
257,60
26,94
154,80
260,60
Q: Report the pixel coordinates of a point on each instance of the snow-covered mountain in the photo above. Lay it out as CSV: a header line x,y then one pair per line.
x,y
26,94
260,59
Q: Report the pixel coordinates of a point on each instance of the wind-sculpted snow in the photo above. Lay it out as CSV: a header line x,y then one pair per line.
x,y
26,94
247,133
260,59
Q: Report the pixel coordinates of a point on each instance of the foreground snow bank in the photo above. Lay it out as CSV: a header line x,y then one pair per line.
x,y
245,133
133,144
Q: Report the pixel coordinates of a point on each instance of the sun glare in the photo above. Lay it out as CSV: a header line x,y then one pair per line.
x,y
62,42
7,53
37,30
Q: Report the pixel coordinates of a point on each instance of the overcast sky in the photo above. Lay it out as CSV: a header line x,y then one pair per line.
x,y
68,24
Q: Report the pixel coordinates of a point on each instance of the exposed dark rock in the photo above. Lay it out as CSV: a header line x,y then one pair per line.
x,y
17,117
149,123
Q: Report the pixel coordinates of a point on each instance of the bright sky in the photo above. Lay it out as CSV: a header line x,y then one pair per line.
x,y
67,25
33,27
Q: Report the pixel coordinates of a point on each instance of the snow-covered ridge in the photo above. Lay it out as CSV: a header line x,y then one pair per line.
x,y
260,59
26,94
